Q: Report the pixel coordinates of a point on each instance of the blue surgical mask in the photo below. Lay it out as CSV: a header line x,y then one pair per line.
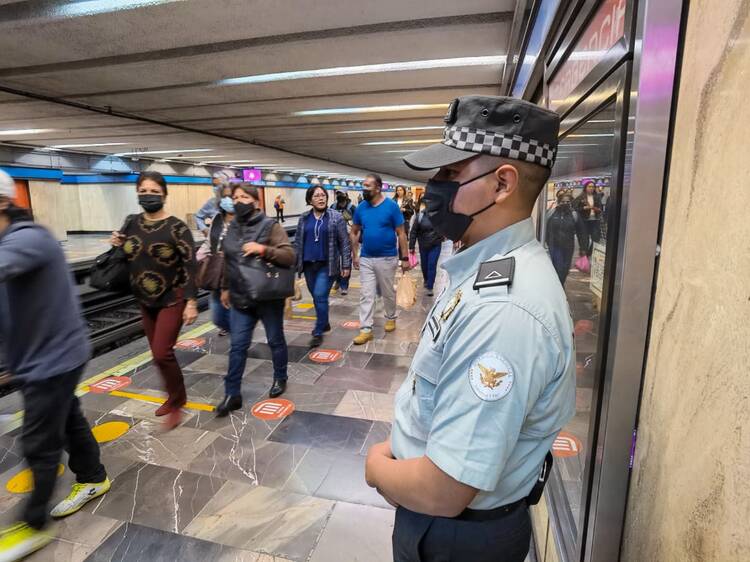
x,y
227,204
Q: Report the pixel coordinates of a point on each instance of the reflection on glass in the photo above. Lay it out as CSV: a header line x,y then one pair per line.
x,y
577,198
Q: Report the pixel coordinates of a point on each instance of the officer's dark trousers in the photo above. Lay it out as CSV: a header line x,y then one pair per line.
x,y
423,538
52,421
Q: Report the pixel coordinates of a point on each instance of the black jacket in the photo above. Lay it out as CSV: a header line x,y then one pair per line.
x,y
423,232
582,201
264,230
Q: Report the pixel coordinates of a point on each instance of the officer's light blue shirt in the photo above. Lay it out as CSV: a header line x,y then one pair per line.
x,y
493,380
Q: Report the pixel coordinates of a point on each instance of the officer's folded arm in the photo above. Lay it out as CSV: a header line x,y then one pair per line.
x,y
417,484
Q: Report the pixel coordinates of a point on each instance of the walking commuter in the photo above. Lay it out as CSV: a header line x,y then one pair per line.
x,y
406,206
347,209
381,224
563,225
430,243
45,345
589,207
252,233
212,246
210,208
161,261
278,204
494,377
323,254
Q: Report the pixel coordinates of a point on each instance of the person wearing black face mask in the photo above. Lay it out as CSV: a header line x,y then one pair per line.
x,y
252,233
347,209
496,364
563,225
161,260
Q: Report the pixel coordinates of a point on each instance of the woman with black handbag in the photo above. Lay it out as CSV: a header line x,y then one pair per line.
x,y
161,261
258,276
211,259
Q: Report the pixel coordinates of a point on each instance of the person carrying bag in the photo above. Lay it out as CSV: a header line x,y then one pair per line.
x,y
258,276
110,270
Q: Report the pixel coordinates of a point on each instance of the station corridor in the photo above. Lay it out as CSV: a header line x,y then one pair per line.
x,y
240,488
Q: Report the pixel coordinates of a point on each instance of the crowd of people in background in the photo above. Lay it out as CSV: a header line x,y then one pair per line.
x,y
165,273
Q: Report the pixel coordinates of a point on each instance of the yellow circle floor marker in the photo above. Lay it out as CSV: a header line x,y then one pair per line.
x,y
110,431
23,482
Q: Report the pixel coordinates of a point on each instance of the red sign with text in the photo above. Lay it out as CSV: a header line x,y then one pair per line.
x,y
273,409
325,355
109,384
603,31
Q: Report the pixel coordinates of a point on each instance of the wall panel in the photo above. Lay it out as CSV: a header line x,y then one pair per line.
x,y
48,206
689,498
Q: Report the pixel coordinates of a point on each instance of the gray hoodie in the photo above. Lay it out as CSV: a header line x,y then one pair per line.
x,y
42,332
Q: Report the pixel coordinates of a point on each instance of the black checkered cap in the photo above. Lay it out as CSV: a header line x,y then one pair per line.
x,y
498,144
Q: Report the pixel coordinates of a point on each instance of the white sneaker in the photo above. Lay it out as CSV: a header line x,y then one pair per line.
x,y
80,495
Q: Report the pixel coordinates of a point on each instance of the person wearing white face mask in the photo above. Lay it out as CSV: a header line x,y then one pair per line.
x,y
212,247
210,208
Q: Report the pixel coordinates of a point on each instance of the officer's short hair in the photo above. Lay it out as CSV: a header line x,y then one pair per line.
x,y
531,178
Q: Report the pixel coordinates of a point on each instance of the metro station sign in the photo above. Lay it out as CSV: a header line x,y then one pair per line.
x,y
605,29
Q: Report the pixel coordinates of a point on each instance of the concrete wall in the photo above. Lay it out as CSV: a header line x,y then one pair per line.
x,y
690,494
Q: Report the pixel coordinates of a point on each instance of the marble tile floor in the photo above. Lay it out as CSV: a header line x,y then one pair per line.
x,y
238,488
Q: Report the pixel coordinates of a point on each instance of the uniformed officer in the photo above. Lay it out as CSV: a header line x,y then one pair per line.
x,y
493,379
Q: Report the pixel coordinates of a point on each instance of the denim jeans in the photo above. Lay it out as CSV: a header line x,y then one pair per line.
x,y
428,261
219,314
53,421
319,284
343,282
243,323
561,257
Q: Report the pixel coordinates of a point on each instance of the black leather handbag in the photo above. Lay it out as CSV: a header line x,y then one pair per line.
x,y
265,281
110,270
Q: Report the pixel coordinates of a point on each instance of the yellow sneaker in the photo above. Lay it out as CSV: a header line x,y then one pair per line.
x,y
80,495
20,540
363,337
390,325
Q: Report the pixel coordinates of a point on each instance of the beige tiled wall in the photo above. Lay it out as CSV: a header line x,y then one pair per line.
x,y
103,207
47,204
689,497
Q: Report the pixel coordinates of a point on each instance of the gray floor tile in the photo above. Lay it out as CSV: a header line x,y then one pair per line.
x,y
367,541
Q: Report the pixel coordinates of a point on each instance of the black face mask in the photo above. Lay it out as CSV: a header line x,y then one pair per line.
x,y
438,198
367,195
244,210
341,201
151,203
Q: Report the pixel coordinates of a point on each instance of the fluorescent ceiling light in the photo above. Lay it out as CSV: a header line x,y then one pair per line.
x,y
364,69
397,129
25,131
372,109
164,152
198,157
223,161
413,141
87,145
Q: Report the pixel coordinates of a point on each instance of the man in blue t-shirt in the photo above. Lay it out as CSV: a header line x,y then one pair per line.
x,y
381,224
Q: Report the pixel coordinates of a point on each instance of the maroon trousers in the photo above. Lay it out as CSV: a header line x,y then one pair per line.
x,y
162,326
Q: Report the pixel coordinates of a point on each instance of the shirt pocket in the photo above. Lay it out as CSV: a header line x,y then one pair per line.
x,y
422,406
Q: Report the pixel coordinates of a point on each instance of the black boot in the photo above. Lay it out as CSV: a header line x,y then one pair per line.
x,y
229,404
316,341
277,389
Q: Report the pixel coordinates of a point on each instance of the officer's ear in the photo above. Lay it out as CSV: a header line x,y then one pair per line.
x,y
507,177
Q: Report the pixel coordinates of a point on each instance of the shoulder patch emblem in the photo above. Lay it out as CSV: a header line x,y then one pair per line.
x,y
490,376
495,273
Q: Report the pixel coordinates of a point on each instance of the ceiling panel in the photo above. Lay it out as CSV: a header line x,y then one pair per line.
x,y
145,73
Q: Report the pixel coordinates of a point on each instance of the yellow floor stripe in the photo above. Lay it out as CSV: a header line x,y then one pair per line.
x,y
16,420
301,317
158,400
